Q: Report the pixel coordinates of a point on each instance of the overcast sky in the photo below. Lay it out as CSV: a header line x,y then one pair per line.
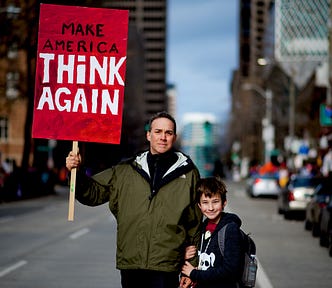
x,y
202,52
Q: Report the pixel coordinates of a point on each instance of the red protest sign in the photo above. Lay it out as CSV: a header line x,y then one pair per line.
x,y
80,73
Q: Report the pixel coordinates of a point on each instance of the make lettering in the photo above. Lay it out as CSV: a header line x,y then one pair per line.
x,y
83,29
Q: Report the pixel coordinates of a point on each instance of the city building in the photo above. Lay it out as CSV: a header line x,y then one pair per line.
x,y
149,18
199,139
145,91
171,99
246,111
13,86
282,50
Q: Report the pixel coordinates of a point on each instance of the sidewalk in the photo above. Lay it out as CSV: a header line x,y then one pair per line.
x,y
19,207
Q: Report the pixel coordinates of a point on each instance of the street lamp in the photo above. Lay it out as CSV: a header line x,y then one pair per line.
x,y
291,98
268,128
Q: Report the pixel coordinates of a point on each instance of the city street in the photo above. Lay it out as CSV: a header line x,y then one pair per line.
x,y
288,255
241,87
40,248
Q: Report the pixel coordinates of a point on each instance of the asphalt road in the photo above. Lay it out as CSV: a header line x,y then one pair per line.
x,y
40,248
289,257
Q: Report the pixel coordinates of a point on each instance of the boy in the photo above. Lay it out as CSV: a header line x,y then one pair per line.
x,y
215,270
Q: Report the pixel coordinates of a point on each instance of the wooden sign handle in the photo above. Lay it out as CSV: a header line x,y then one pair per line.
x,y
72,186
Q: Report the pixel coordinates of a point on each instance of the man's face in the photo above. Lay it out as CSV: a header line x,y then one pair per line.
x,y
161,136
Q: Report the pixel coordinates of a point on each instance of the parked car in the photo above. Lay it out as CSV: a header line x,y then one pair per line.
x,y
294,197
263,185
320,198
325,237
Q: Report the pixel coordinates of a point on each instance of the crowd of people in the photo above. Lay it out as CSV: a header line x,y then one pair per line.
x,y
16,184
300,164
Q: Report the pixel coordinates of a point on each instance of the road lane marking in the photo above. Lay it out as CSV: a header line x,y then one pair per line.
x,y
50,208
79,233
12,268
262,278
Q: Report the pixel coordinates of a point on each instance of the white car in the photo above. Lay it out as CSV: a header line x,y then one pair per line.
x,y
295,196
263,185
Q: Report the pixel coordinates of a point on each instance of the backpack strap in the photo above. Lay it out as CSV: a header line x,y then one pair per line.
x,y
221,239
221,243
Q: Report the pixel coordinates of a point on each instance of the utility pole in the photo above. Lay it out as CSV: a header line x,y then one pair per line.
x,y
291,119
268,128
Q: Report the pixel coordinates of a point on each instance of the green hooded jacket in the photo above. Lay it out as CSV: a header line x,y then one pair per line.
x,y
153,227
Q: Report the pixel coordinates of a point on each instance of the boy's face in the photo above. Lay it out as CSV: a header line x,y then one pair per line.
x,y
211,207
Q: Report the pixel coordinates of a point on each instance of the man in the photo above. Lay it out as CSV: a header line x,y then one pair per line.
x,y
152,197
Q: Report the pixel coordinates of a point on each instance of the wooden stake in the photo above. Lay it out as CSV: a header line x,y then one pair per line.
x,y
72,187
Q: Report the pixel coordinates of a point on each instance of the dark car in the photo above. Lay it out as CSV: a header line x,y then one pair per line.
x,y
320,199
325,237
295,196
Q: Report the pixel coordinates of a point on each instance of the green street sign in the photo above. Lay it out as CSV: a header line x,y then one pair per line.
x,y
325,117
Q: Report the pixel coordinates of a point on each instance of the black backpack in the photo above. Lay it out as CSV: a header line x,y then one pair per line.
x,y
248,278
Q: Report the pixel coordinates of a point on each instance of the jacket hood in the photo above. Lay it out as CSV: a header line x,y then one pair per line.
x,y
183,162
228,218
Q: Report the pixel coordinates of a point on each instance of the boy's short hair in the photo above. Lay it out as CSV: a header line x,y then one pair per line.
x,y
211,186
162,114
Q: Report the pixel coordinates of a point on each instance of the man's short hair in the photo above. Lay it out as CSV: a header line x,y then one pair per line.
x,y
162,114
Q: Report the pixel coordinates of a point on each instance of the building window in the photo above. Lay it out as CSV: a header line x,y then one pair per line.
x,y
3,129
12,52
12,89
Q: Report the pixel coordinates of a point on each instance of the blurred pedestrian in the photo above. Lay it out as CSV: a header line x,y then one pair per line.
x,y
215,270
4,173
327,164
283,175
152,197
218,169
